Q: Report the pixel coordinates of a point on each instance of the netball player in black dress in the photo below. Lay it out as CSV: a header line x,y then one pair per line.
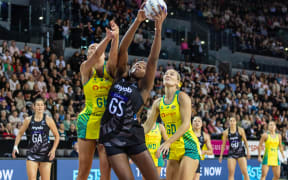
x,y
121,132
203,138
236,136
40,153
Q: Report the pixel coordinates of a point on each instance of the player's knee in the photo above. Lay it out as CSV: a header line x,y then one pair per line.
x,y
276,175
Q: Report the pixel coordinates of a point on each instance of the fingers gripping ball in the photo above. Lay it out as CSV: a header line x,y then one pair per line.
x,y
150,4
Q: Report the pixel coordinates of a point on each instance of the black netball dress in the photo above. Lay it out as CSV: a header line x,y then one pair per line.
x,y
120,130
38,140
236,149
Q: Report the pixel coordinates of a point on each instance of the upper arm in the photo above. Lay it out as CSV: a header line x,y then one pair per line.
x,y
224,137
185,108
51,124
25,125
87,65
280,141
243,135
263,139
155,110
151,119
163,132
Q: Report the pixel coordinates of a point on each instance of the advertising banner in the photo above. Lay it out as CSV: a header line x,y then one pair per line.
x,y
210,170
68,169
13,169
216,145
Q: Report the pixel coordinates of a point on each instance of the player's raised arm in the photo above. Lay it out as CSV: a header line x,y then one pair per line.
x,y
148,81
126,41
95,51
113,54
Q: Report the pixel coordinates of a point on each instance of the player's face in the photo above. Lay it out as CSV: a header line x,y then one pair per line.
x,y
232,122
138,70
39,106
171,78
197,123
272,126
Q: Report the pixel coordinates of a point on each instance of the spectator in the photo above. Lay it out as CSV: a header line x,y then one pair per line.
x,y
13,82
13,48
185,50
20,101
4,118
3,47
62,132
72,134
60,61
66,32
8,132
58,38
75,151
14,119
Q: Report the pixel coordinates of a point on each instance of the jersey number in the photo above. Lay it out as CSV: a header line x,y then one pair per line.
x,y
234,144
171,128
37,138
115,107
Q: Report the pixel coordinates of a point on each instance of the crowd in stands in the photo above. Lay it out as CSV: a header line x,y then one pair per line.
x,y
27,74
253,25
90,17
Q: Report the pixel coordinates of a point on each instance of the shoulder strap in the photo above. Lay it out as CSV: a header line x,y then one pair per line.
x,y
32,118
177,94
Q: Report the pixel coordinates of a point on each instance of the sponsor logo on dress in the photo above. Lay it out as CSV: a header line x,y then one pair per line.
x,y
96,87
123,89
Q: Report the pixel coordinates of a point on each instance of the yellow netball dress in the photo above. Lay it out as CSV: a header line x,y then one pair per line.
x,y
271,157
153,141
96,91
186,145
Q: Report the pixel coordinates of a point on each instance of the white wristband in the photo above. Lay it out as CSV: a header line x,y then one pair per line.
x,y
15,148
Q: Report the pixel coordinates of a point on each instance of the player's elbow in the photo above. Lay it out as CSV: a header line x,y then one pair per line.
x,y
186,126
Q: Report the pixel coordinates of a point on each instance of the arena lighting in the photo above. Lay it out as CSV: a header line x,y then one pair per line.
x,y
172,13
41,18
286,49
202,42
147,20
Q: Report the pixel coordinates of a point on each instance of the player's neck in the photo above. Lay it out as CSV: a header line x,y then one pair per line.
x,y
233,129
169,93
38,116
272,132
197,131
